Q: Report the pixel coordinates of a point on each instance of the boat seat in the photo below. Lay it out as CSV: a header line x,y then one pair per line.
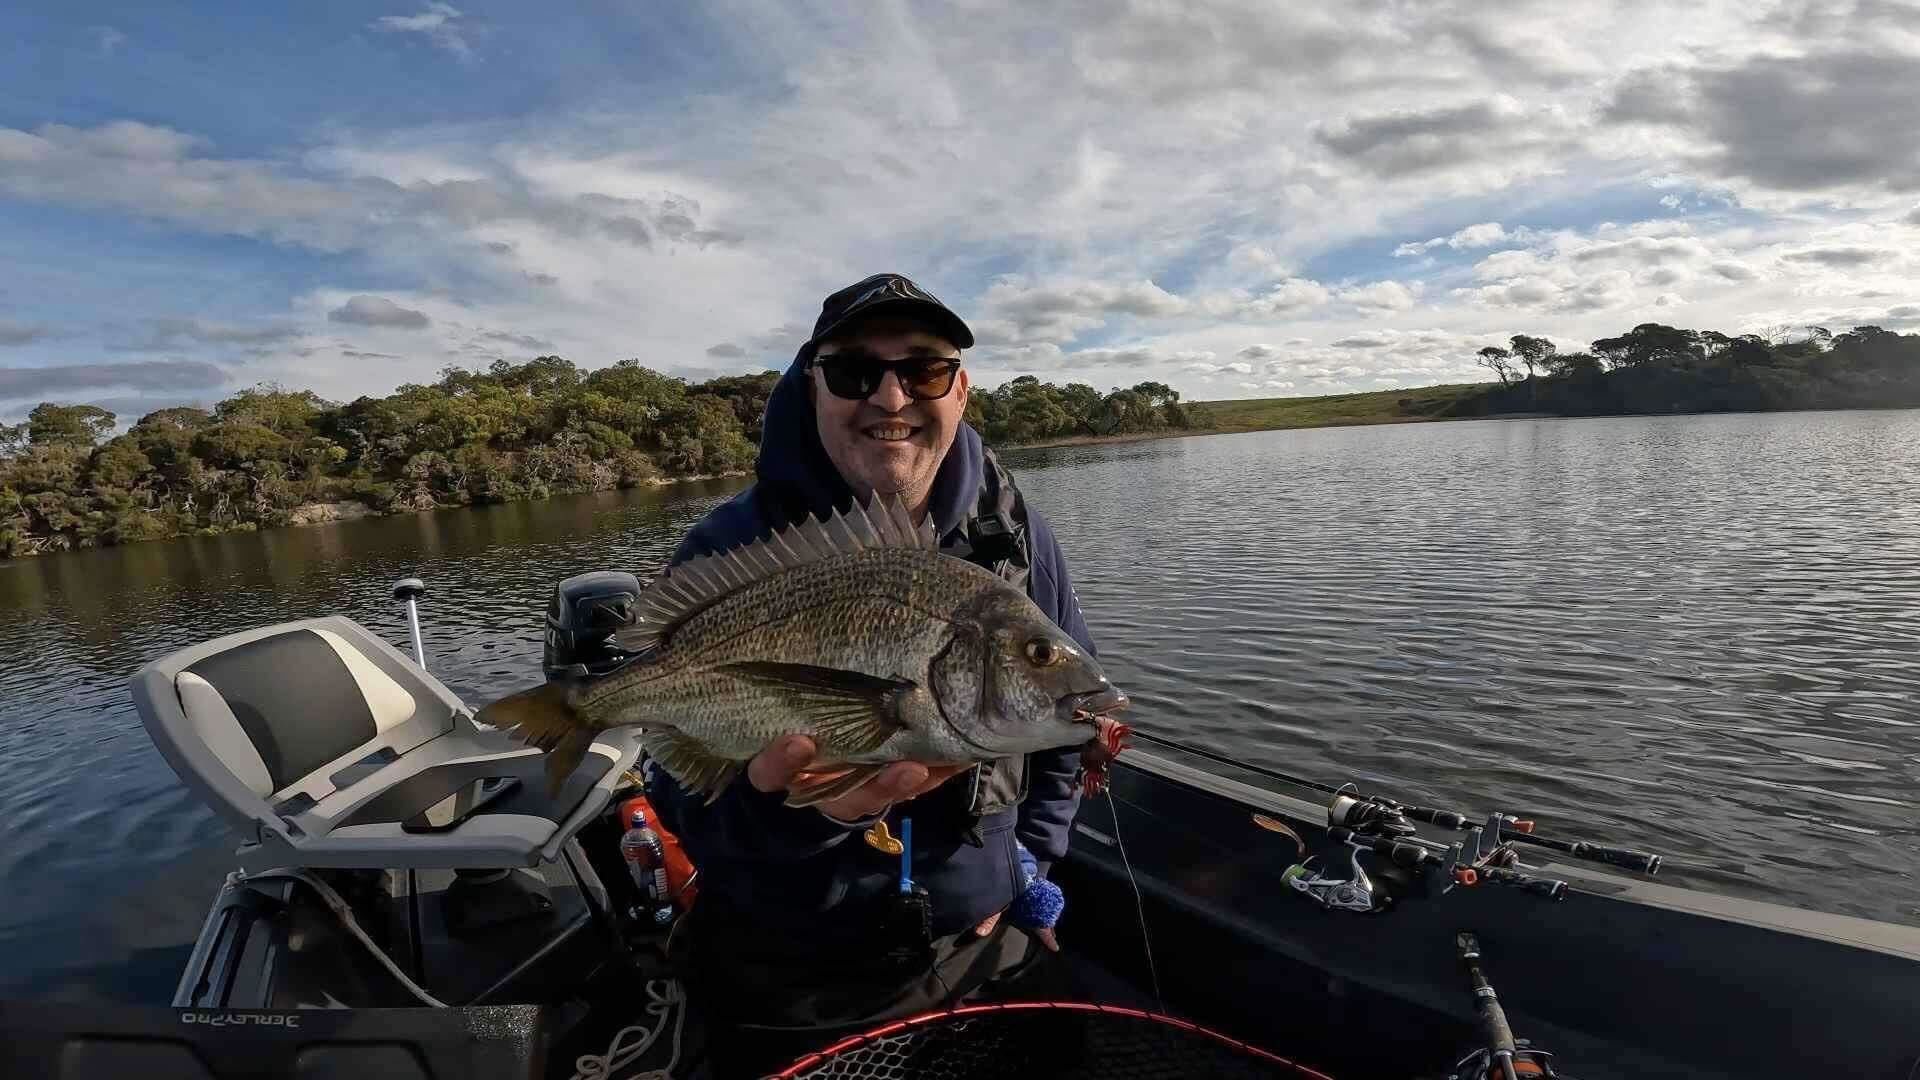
x,y
325,746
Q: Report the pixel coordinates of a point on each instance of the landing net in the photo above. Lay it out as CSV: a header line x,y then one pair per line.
x,y
1051,1039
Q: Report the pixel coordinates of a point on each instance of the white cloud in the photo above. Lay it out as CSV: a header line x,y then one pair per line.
x,y
440,24
20,333
1496,131
1016,310
1839,117
378,311
1485,234
162,173
65,380
1193,170
1288,297
1383,296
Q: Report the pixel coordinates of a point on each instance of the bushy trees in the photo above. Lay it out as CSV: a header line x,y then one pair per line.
x,y
1655,368
1028,410
516,430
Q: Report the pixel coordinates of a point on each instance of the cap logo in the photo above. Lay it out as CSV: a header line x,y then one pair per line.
x,y
894,287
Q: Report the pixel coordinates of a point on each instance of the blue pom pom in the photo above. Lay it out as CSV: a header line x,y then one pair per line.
x,y
1039,906
1027,862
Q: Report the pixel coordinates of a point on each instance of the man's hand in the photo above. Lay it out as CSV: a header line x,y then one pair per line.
x,y
774,768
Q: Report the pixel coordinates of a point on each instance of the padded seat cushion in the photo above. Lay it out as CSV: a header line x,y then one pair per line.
x,y
300,700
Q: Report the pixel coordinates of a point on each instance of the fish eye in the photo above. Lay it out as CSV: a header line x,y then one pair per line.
x,y
1044,653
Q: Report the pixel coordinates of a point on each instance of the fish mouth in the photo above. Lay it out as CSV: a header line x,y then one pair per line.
x,y
1090,708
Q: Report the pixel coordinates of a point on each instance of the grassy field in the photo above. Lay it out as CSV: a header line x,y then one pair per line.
x,y
1378,407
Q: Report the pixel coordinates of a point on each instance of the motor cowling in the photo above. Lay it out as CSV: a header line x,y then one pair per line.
x,y
582,615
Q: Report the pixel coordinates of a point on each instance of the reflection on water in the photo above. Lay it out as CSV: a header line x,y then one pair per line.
x,y
1699,635
1695,634
110,864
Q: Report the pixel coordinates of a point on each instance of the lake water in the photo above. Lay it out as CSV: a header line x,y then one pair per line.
x,y
1699,635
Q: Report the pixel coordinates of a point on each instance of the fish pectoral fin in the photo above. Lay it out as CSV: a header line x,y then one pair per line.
x,y
545,717
829,786
856,711
542,716
688,761
566,757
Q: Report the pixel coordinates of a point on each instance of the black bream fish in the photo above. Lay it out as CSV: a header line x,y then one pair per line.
x,y
856,632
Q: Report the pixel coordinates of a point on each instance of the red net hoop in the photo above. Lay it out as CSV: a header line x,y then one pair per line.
x,y
1051,1039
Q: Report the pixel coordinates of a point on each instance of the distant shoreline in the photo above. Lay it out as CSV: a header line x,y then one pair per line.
x,y
309,514
268,457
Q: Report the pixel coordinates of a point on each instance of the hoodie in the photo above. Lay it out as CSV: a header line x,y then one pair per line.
x,y
797,871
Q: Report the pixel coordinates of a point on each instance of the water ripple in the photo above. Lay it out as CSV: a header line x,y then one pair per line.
x,y
1698,635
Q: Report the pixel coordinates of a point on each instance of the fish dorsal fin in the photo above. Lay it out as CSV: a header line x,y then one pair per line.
x,y
685,590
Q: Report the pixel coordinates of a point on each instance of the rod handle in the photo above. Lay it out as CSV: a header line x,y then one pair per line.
x,y
1638,861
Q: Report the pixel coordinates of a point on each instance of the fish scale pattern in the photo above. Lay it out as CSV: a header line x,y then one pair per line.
x,y
1055,1042
885,612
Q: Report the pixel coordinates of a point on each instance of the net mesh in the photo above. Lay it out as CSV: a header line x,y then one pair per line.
x,y
1054,1040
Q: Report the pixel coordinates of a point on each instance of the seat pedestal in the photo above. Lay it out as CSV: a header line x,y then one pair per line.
x,y
480,900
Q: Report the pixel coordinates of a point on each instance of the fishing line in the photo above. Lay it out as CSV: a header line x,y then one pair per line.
x,y
1139,904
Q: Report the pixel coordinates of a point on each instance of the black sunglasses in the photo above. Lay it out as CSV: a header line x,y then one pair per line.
x,y
855,374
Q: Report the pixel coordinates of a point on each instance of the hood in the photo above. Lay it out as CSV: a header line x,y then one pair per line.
x,y
795,474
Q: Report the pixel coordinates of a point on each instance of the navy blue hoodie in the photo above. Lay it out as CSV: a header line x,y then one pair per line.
x,y
796,870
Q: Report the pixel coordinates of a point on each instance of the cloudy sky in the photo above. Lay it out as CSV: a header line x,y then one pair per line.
x,y
1239,198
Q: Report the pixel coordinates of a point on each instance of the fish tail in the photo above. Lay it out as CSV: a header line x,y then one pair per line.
x,y
544,716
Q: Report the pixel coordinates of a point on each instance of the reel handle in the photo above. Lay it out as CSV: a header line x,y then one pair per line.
x,y
1547,887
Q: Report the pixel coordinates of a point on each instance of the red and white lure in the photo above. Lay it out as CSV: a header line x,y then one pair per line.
x,y
1099,753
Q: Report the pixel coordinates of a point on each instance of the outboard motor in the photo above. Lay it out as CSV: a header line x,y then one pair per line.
x,y
582,615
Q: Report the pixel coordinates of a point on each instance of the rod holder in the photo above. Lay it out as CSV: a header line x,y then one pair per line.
x,y
411,590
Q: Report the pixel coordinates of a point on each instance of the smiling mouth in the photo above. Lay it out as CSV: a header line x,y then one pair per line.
x,y
893,431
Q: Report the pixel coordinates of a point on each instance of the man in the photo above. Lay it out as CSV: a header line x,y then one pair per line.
x,y
799,932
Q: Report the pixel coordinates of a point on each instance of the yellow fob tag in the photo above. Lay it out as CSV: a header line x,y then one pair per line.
x,y
879,839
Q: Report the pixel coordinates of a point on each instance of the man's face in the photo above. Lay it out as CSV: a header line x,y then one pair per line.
x,y
888,442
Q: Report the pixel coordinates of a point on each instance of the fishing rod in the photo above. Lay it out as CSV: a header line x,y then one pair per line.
x,y
1501,1056
1382,828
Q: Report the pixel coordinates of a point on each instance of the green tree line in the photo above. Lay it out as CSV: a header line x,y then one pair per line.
x,y
1655,368
1027,410
266,456
528,430
514,431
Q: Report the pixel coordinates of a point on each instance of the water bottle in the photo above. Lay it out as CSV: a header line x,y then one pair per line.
x,y
647,862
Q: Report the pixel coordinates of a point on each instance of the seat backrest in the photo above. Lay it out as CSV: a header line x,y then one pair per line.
x,y
269,721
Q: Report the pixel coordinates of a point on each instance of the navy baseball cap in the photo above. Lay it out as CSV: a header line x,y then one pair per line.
x,y
893,294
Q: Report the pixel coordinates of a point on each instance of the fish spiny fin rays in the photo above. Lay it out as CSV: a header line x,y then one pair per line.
x,y
685,590
855,711
688,761
827,787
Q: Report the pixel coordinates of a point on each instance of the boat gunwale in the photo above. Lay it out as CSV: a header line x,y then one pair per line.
x,y
1893,939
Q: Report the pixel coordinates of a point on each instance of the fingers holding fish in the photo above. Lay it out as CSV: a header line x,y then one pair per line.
x,y
776,767
784,765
